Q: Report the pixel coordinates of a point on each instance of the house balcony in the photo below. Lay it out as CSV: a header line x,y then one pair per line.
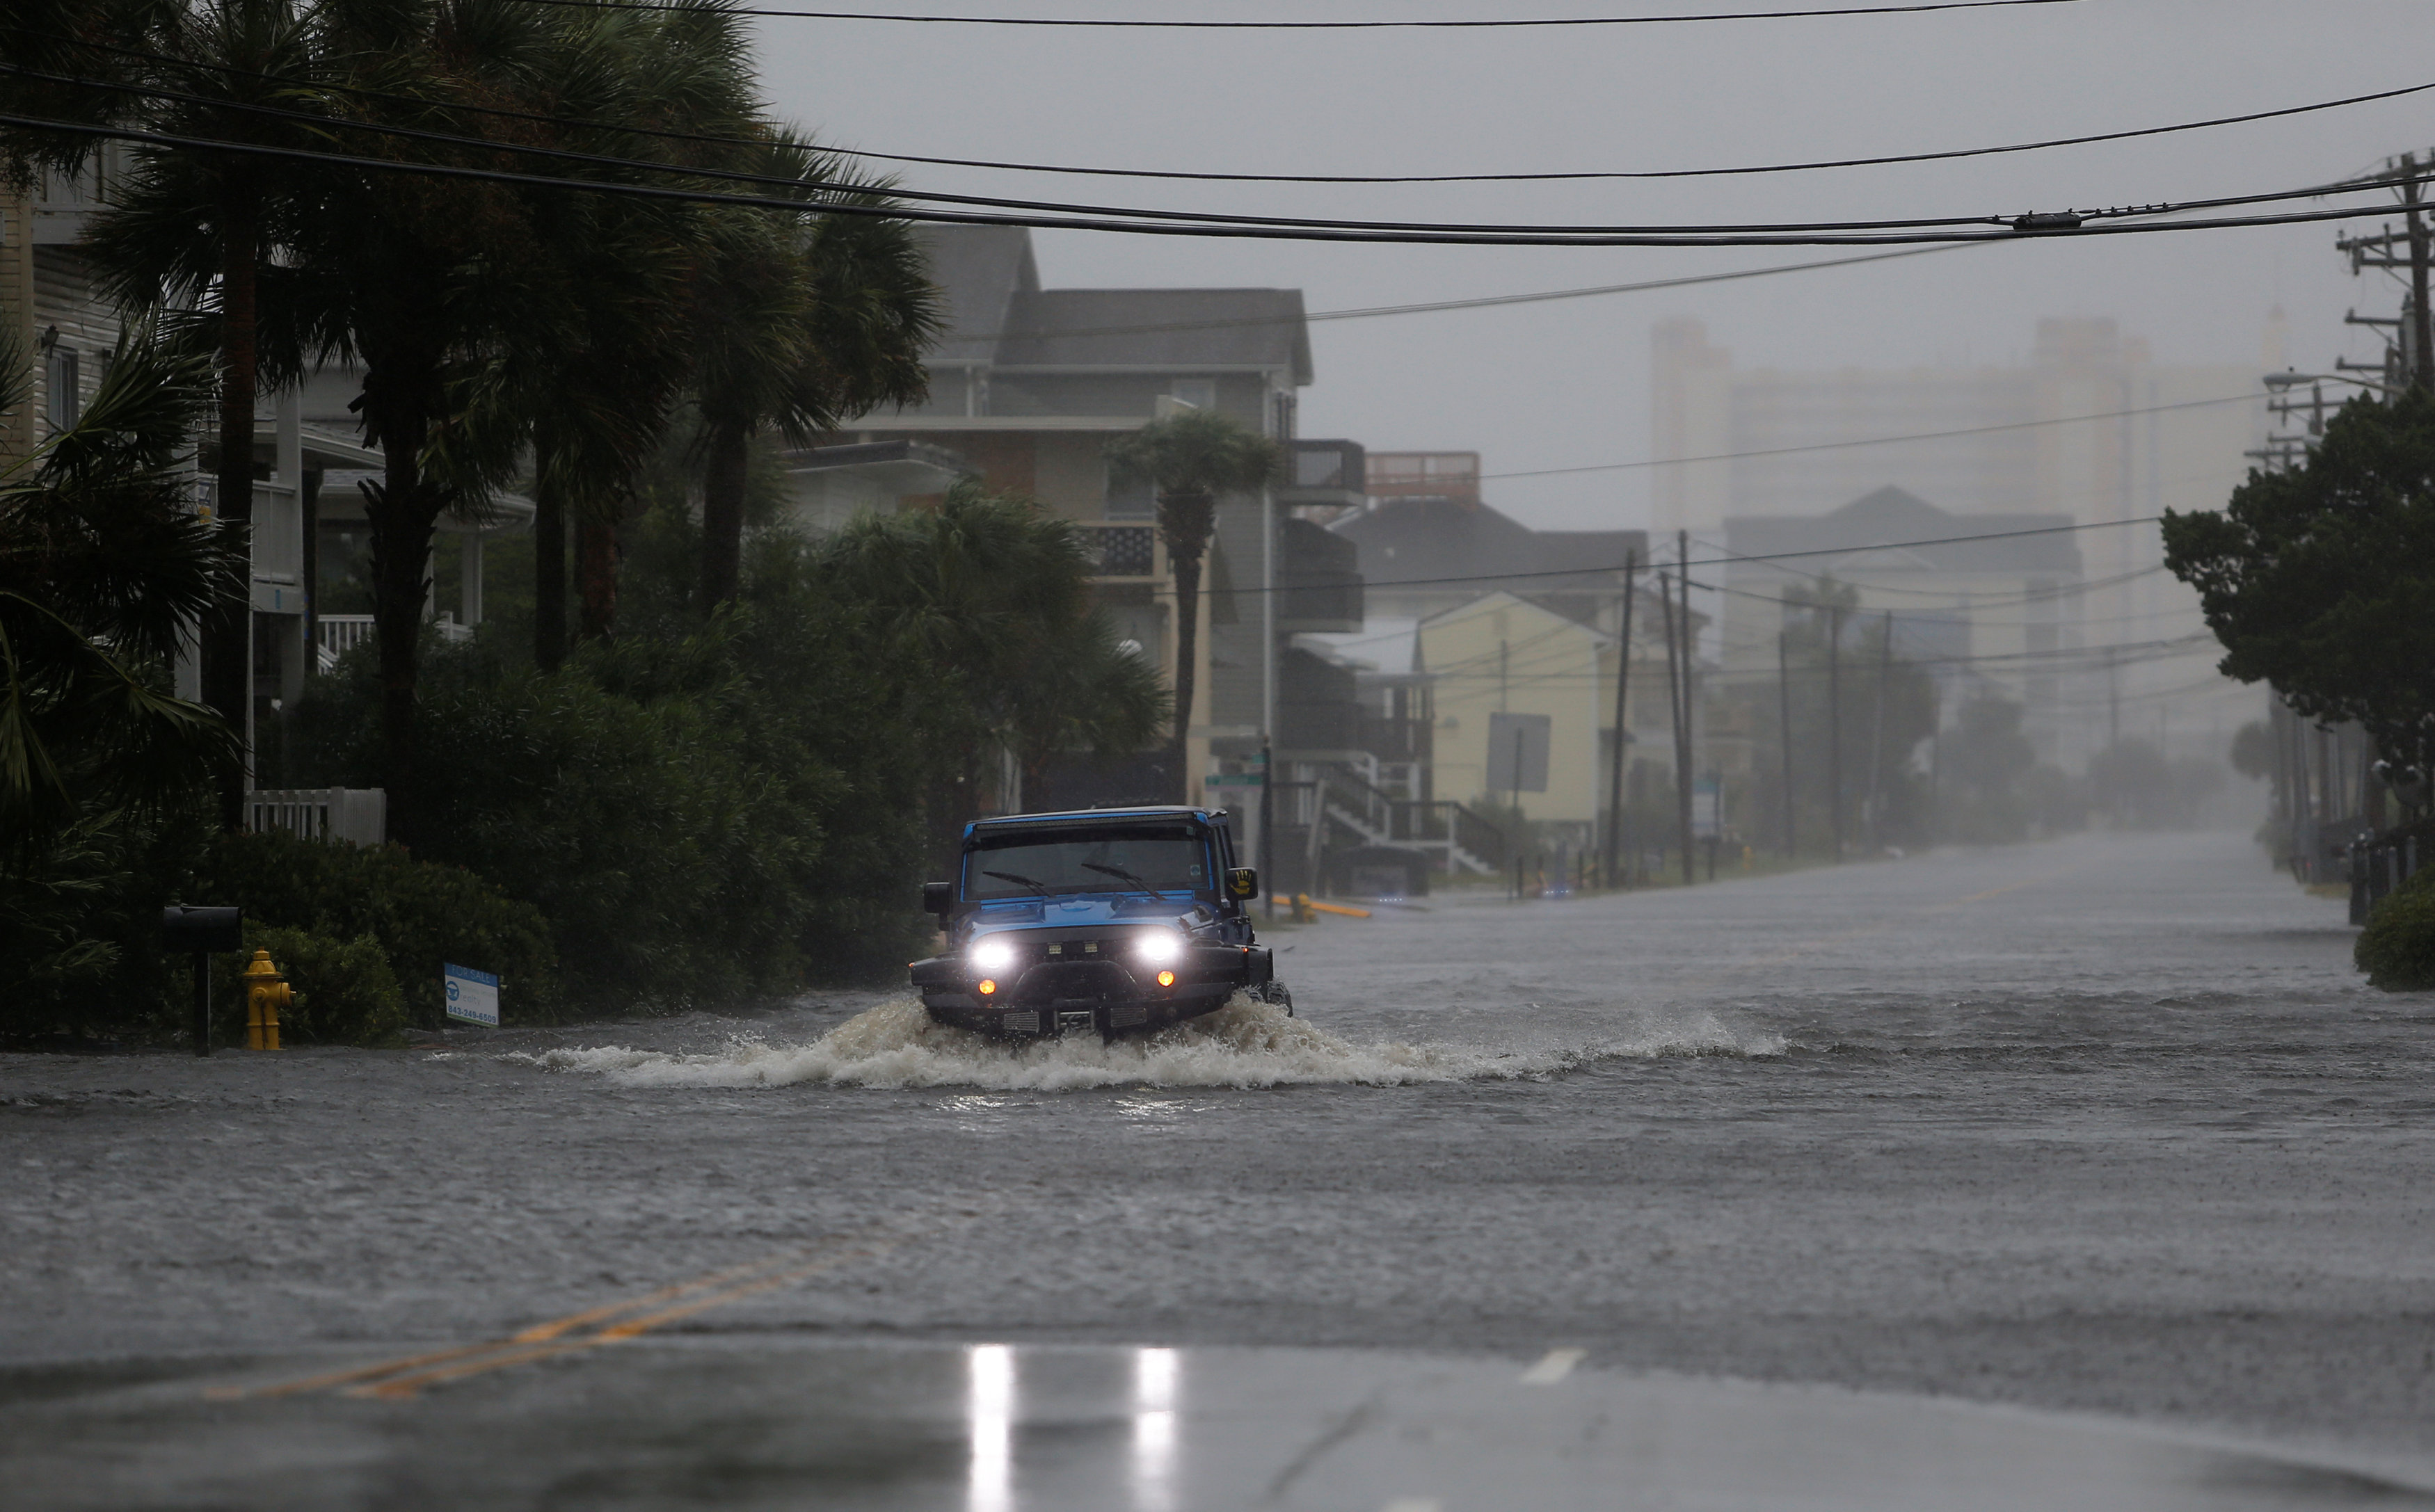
x,y
1123,551
1328,476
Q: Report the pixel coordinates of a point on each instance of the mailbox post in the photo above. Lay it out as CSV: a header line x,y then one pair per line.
x,y
202,931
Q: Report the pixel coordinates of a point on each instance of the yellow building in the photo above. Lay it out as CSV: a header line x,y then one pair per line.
x,y
1504,669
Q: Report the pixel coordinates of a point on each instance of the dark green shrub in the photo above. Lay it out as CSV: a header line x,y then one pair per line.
x,y
2396,950
81,924
345,993
424,914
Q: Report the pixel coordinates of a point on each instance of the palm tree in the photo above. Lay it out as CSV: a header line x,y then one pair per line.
x,y
599,403
102,563
191,229
798,328
1193,458
426,282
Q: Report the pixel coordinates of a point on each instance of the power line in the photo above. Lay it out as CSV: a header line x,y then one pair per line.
x,y
1881,440
1916,8
2064,223
1813,165
2065,220
720,140
2015,224
798,184
1718,562
1437,306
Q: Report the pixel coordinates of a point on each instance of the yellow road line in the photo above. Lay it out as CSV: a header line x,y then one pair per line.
x,y
406,1376
407,1385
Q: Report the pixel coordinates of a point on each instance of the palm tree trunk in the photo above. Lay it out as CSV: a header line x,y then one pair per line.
x,y
723,513
226,643
404,511
549,569
1188,649
596,548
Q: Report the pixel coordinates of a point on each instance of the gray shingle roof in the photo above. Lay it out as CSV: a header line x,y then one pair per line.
x,y
1891,516
998,311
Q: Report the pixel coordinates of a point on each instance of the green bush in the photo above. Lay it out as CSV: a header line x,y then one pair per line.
x,y
2396,950
423,913
345,993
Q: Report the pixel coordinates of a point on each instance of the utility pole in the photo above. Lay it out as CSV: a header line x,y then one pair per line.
x,y
1682,720
1835,724
2113,700
1622,751
2421,345
1784,728
1679,700
1877,738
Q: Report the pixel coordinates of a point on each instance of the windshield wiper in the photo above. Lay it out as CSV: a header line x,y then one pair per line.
x,y
1123,875
1020,880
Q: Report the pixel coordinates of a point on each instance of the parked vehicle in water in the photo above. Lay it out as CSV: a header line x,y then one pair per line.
x,y
1105,920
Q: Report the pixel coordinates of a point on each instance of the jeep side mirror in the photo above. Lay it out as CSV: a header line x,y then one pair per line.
x,y
1243,881
937,896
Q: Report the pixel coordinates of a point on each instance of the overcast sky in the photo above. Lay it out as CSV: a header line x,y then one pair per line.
x,y
1565,384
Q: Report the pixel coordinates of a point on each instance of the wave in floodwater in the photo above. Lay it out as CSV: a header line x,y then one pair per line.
x,y
1244,1044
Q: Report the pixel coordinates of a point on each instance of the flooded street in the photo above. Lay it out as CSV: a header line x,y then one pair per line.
x,y
2101,1124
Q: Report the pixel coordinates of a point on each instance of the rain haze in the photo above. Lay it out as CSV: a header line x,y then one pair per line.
x,y
1565,384
676,843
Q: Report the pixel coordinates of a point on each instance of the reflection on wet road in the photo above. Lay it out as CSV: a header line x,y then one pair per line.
x,y
775,1422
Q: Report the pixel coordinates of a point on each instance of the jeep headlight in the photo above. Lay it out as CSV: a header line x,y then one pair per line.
x,y
1159,946
990,954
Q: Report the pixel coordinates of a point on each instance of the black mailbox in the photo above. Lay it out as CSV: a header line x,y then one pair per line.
x,y
203,929
938,898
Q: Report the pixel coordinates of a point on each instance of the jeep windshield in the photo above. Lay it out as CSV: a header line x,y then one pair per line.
x,y
1110,858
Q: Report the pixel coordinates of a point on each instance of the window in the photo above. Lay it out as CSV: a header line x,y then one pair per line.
x,y
1201,394
1130,496
62,402
1128,858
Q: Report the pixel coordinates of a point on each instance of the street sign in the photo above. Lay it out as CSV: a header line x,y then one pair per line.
x,y
1233,779
473,996
1517,752
1707,807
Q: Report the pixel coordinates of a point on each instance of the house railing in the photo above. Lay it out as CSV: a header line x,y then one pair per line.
x,y
338,634
357,816
2379,864
1123,551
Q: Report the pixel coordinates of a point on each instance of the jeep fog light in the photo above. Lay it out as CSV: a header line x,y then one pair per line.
x,y
990,955
1158,946
987,987
1166,978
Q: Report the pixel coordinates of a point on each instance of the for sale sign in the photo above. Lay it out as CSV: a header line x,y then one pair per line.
x,y
473,996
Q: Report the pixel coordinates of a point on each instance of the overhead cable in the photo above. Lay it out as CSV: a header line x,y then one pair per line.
x,y
2021,229
1572,175
1880,440
1144,25
1605,569
996,165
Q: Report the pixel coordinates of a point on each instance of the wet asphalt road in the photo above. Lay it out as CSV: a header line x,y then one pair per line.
x,y
2101,1123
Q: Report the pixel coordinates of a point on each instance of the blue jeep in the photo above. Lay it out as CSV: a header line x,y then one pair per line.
x,y
1101,921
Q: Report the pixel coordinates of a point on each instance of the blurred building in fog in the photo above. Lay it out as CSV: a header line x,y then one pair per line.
x,y
2089,431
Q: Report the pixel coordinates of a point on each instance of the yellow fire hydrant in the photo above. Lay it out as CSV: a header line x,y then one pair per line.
x,y
265,993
